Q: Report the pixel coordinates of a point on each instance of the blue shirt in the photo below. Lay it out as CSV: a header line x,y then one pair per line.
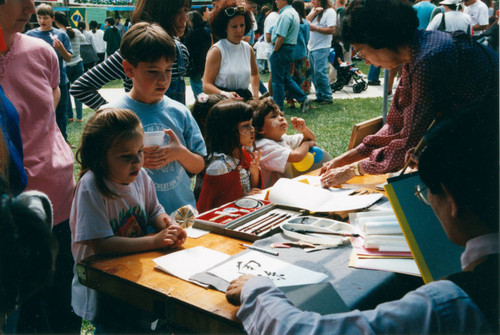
x,y
172,182
436,308
300,50
9,121
61,35
424,10
287,26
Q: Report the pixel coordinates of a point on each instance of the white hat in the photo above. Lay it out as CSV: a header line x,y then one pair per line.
x,y
450,2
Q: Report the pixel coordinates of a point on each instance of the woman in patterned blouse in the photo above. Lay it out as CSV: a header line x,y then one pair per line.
x,y
439,70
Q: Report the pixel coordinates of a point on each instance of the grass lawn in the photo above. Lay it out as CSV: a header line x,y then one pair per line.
x,y
332,124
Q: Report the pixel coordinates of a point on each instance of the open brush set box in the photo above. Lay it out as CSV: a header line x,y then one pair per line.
x,y
246,218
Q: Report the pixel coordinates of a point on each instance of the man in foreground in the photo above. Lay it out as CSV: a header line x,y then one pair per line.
x,y
465,199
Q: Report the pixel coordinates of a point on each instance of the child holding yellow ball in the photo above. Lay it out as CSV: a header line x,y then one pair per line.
x,y
277,147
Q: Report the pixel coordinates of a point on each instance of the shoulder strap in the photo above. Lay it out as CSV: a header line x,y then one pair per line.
x,y
442,24
481,285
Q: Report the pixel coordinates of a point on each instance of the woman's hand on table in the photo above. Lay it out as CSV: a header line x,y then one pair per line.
x,y
233,293
336,176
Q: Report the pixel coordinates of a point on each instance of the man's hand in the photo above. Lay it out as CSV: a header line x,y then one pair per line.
x,y
233,293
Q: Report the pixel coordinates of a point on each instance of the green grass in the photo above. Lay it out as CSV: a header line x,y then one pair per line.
x,y
114,84
332,124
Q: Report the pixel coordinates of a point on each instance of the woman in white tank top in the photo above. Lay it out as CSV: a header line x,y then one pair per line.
x,y
230,67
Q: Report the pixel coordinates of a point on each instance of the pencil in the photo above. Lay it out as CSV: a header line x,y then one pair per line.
x,y
253,247
417,148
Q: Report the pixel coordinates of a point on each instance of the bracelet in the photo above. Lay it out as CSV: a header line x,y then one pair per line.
x,y
356,170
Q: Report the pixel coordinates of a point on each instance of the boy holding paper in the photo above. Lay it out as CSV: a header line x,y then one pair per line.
x,y
466,202
148,54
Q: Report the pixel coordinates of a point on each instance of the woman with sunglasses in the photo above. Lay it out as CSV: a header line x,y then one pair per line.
x,y
231,66
172,16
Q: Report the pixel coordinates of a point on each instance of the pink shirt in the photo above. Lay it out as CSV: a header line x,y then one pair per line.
x,y
28,75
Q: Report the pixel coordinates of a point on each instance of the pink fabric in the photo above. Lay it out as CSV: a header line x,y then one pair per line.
x,y
28,74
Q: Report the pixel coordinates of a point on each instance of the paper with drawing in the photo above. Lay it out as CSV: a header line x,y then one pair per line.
x,y
258,264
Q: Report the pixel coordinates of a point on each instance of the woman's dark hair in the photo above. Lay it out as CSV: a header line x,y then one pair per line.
x,y
379,23
101,132
299,6
110,21
325,4
260,111
222,126
201,107
162,12
63,19
82,26
219,19
461,153
93,25
147,42
196,19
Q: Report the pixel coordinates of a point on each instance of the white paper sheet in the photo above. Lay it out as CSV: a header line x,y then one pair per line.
x,y
292,193
185,263
195,232
257,263
399,265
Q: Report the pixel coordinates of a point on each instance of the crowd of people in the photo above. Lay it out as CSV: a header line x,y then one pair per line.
x,y
234,142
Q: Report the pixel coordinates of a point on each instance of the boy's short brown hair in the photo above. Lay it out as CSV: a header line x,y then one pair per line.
x,y
147,42
44,9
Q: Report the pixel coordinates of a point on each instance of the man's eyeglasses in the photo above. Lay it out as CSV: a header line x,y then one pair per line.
x,y
421,193
231,11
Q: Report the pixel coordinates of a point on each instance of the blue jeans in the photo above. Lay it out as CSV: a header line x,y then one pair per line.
x,y
281,79
373,73
74,72
196,84
262,88
62,110
319,64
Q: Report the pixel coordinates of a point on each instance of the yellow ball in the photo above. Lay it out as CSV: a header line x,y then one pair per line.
x,y
305,164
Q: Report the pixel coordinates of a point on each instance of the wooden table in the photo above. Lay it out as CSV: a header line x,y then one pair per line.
x,y
133,279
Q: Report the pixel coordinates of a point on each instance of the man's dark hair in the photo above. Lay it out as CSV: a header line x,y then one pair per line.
x,y
379,23
461,153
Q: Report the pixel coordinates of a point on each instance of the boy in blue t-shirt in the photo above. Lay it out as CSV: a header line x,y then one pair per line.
x,y
60,41
148,53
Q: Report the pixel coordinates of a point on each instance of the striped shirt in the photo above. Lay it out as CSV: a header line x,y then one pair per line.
x,y
86,88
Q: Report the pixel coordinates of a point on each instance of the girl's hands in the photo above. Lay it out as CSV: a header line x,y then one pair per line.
x,y
298,124
254,164
173,236
156,157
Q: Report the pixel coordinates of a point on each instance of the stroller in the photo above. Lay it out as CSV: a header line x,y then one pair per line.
x,y
345,72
